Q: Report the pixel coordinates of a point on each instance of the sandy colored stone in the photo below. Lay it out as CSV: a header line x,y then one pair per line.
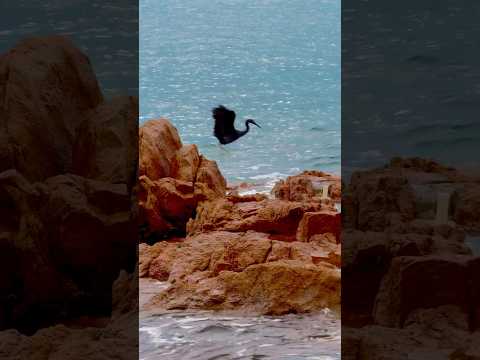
x,y
146,254
185,163
209,181
166,204
321,222
275,217
158,144
272,288
306,187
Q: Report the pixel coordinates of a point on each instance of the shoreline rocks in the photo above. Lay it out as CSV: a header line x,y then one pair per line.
x,y
173,179
67,172
218,251
408,280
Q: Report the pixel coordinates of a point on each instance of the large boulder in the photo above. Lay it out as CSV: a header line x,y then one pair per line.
x,y
427,282
58,238
166,204
174,179
320,222
204,260
106,144
273,288
47,87
307,186
276,217
158,145
379,197
466,206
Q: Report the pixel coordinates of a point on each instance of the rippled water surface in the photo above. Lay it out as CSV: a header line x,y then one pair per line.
x,y
204,335
275,61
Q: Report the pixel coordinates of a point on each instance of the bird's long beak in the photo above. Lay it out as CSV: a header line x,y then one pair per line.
x,y
254,123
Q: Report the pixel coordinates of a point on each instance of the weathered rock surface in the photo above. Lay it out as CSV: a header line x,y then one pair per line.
x,y
47,87
466,206
427,282
307,186
158,145
174,179
84,221
405,269
118,339
379,197
221,269
320,222
63,238
241,252
278,218
106,143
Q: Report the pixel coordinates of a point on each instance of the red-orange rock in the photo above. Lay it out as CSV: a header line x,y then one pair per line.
x,y
62,230
466,206
426,282
106,145
378,198
185,164
307,187
146,254
274,288
173,179
275,217
166,204
198,272
320,222
209,181
158,146
46,86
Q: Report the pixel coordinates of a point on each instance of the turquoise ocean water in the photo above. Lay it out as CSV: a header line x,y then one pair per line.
x,y
275,61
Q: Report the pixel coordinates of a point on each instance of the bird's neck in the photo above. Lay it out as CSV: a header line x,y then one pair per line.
x,y
243,132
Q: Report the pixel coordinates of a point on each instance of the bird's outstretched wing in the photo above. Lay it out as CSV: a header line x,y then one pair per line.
x,y
224,119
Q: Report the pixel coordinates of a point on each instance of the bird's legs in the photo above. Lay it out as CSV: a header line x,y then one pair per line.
x,y
223,148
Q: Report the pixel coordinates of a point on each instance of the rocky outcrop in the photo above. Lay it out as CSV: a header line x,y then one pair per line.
x,y
308,186
241,252
47,88
466,206
408,283
106,143
317,223
278,218
158,145
67,172
174,179
224,270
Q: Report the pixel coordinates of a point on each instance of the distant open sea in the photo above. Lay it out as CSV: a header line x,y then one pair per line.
x,y
275,61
